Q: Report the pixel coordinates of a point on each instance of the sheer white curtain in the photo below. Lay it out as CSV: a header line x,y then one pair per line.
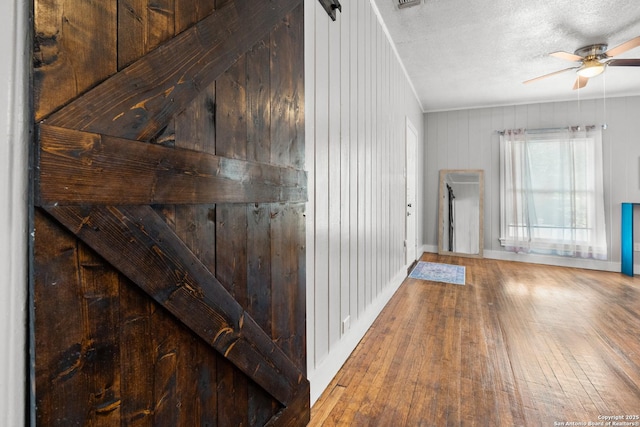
x,y
551,196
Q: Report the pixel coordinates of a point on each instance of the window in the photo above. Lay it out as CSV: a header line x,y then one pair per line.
x,y
551,193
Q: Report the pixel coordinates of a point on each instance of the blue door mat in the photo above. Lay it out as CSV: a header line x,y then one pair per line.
x,y
445,273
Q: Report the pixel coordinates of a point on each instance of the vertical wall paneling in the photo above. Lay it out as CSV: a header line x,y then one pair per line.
x,y
376,172
384,145
310,167
14,114
360,98
621,154
361,182
352,85
484,127
321,280
431,175
334,188
345,170
368,165
492,178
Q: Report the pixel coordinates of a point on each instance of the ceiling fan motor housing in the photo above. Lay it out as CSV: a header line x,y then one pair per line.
x,y
591,52
592,64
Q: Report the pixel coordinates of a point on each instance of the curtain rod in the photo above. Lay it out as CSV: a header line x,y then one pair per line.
x,y
545,130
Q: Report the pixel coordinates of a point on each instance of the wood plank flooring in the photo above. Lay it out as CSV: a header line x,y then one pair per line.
x,y
518,345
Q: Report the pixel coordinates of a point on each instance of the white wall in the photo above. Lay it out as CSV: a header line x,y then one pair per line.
x,y
13,207
357,99
467,139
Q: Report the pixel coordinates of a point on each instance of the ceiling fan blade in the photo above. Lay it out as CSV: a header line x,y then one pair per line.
x,y
628,45
624,63
548,75
580,82
567,56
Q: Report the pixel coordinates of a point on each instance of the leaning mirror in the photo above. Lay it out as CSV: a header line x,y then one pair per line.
x,y
461,213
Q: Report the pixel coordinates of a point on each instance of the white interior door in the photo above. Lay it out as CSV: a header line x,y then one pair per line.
x,y
411,225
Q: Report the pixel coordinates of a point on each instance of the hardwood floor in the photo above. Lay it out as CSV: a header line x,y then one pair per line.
x,y
519,344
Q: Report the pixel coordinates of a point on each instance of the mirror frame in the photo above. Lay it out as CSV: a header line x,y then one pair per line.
x,y
441,221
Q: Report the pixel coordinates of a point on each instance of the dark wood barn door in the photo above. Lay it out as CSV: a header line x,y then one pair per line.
x,y
168,254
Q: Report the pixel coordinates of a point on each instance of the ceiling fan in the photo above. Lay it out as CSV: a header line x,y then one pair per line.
x,y
593,60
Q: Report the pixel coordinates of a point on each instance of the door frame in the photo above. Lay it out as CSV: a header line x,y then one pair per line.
x,y
411,193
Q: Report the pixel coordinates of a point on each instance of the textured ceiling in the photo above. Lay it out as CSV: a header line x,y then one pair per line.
x,y
465,54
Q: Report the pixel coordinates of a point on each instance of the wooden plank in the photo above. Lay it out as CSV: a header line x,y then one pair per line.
x,y
288,285
132,31
231,247
196,125
259,265
259,102
60,388
161,22
296,414
287,91
195,226
71,54
138,102
258,215
143,25
79,167
221,3
141,246
258,292
84,385
189,12
136,344
100,288
258,148
231,111
231,228
197,368
296,33
166,351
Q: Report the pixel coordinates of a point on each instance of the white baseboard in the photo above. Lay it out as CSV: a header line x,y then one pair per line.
x,y
560,261
321,377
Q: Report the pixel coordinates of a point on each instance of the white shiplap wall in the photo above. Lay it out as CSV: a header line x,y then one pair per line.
x,y
467,139
357,101
13,210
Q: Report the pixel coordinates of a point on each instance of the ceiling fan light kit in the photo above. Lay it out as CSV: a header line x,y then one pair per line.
x,y
591,68
594,59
